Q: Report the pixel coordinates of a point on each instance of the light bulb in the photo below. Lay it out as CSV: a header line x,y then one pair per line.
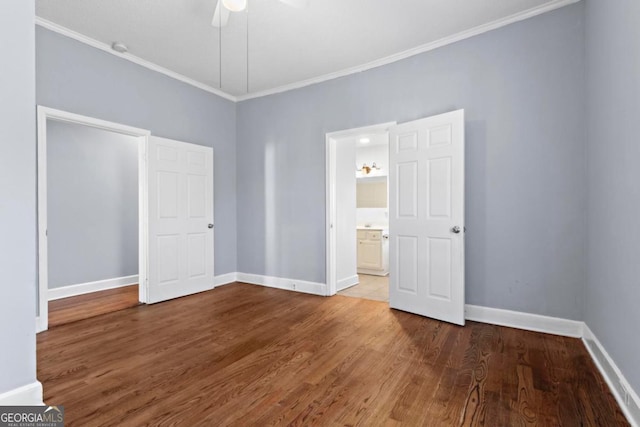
x,y
235,5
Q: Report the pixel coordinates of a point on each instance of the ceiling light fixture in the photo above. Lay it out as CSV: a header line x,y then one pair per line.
x,y
364,140
235,5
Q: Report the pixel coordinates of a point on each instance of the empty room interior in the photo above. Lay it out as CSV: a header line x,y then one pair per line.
x,y
321,212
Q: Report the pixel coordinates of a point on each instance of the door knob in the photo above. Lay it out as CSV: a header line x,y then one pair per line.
x,y
210,226
455,229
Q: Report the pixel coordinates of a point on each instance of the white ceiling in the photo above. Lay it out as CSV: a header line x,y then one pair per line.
x,y
286,45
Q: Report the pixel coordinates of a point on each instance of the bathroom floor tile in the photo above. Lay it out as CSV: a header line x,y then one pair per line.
x,y
370,287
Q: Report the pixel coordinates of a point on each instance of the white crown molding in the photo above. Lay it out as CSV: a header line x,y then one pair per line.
x,y
89,287
27,395
129,57
625,395
480,29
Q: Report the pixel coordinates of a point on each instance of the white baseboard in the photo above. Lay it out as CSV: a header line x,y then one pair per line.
x,y
40,326
27,395
87,288
623,392
225,279
281,283
347,282
528,321
373,272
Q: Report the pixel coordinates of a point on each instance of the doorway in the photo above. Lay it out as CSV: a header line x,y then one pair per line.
x,y
425,216
77,213
357,212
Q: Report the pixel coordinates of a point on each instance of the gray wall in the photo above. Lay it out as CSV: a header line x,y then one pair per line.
x,y
612,308
522,87
74,77
17,195
92,177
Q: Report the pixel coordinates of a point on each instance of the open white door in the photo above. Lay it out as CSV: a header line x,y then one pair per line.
x,y
426,221
180,209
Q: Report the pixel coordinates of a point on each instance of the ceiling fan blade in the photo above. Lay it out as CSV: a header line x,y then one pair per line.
x,y
220,16
296,3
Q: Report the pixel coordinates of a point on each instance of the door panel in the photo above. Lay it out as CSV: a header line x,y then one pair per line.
x,y
426,183
407,264
180,210
407,189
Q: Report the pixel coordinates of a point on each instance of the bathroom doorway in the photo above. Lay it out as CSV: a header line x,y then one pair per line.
x,y
358,212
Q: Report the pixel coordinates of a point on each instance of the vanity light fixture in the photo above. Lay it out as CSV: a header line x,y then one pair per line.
x,y
366,170
365,140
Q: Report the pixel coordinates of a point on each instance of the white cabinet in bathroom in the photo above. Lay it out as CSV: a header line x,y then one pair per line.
x,y
373,253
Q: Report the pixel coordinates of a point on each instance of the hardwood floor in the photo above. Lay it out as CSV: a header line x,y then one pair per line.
x,y
246,355
72,309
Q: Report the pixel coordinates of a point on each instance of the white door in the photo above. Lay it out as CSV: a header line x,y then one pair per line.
x,y
180,208
426,221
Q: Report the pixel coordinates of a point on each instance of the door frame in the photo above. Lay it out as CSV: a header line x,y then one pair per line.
x,y
44,114
331,139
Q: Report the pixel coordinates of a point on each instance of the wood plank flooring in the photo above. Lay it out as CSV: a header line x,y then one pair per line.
x,y
244,355
72,309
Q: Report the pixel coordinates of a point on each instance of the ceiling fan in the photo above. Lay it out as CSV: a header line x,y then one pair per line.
x,y
225,7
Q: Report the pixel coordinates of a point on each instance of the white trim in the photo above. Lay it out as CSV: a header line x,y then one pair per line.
x,y
143,226
625,395
45,114
27,395
331,139
370,272
282,283
225,279
347,282
527,321
89,287
480,29
52,26
475,31
40,325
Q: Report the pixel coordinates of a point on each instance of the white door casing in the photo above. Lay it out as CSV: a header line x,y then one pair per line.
x,y
426,204
331,193
46,114
180,221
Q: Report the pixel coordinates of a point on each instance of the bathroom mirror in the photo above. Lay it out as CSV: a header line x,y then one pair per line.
x,y
371,192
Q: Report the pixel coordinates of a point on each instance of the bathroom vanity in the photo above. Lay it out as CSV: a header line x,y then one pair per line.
x,y
373,251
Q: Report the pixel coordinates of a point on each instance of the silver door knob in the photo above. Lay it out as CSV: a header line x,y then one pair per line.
x,y
455,229
210,226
